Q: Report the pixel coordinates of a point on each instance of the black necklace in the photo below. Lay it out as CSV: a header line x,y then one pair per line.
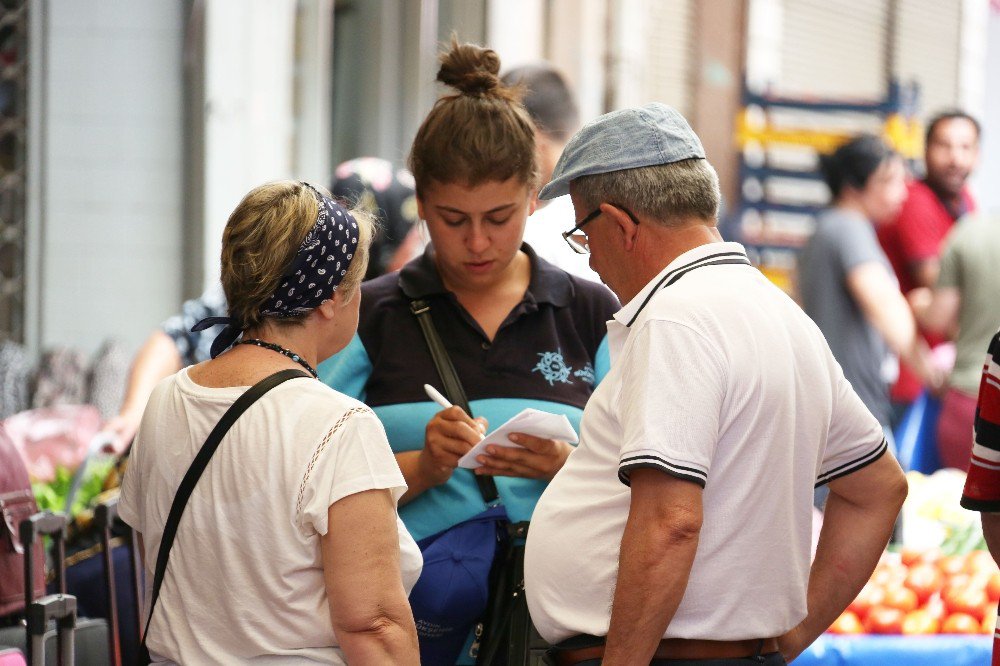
x,y
281,350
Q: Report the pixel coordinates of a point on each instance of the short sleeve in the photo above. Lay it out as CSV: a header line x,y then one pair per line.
x,y
352,457
673,387
856,438
348,370
857,244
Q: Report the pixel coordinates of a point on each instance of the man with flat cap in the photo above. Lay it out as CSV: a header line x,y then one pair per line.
x,y
679,529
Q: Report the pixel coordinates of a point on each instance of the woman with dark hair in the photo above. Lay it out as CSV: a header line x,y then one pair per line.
x,y
519,331
846,282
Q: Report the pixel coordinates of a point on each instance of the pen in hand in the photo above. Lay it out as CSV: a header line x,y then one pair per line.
x,y
444,403
436,396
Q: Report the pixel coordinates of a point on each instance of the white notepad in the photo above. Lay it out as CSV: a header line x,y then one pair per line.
x,y
530,422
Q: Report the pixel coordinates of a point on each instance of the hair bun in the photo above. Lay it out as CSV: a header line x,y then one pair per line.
x,y
471,69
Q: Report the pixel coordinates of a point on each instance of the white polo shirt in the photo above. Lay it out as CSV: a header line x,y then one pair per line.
x,y
719,378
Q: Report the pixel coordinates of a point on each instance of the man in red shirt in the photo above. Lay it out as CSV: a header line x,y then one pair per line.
x,y
913,242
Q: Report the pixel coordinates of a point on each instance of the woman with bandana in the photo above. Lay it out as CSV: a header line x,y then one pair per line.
x,y
520,332
289,548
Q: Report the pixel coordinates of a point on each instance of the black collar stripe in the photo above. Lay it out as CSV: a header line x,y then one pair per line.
x,y
674,275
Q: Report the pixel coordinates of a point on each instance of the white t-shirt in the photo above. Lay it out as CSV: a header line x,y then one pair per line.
x,y
543,233
245,578
719,378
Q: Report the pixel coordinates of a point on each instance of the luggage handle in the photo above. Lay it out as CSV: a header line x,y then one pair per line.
x,y
62,606
105,514
62,609
42,523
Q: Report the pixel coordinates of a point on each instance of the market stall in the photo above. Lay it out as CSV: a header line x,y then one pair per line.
x,y
931,600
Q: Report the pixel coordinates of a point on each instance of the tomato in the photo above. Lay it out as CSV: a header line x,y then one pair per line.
x,y
847,623
980,561
910,556
993,587
952,564
968,600
903,598
956,583
885,620
924,579
960,623
989,619
870,595
920,622
889,572
931,556
935,606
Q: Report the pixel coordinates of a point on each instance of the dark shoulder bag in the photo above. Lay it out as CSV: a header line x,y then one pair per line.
x,y
502,634
252,395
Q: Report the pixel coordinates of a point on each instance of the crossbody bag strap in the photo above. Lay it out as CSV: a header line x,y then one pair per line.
x,y
194,473
450,381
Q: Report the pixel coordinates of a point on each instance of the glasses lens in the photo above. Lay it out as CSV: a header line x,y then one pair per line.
x,y
579,243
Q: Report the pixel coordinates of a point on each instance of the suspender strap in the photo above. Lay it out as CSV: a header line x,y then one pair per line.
x,y
449,379
194,473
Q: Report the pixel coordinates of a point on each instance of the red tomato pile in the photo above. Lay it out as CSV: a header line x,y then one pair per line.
x,y
926,593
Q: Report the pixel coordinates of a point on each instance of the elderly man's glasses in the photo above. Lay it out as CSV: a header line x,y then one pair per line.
x,y
577,239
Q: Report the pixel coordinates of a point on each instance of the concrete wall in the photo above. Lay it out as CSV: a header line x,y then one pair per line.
x,y
107,199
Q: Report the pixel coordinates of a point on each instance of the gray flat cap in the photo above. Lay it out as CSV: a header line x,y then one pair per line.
x,y
625,139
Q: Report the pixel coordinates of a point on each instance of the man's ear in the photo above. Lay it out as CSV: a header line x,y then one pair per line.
x,y
420,208
628,231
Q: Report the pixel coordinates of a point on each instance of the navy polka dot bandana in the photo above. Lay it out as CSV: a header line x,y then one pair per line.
x,y
319,266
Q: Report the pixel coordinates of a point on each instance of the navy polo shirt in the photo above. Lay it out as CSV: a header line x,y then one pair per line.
x,y
549,353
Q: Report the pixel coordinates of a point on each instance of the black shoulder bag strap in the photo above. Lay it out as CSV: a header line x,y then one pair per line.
x,y
502,634
190,479
449,379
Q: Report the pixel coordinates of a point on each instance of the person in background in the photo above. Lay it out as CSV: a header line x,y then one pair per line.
x,y
550,103
374,184
386,192
290,549
913,241
982,485
519,331
963,306
678,532
846,283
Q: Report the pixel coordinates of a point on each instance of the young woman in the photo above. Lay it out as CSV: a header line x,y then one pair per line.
x,y
519,331
846,282
289,549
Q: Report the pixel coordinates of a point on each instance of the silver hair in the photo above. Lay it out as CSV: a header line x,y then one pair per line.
x,y
671,194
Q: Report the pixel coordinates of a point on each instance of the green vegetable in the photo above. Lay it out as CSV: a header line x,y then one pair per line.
x,y
52,495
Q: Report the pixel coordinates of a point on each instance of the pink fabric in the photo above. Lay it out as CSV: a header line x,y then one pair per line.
x,y
955,429
52,437
12,657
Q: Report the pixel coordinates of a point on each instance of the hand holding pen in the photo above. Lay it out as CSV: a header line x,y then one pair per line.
x,y
449,435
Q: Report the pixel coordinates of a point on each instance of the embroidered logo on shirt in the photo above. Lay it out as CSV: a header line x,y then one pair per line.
x,y
586,373
554,368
